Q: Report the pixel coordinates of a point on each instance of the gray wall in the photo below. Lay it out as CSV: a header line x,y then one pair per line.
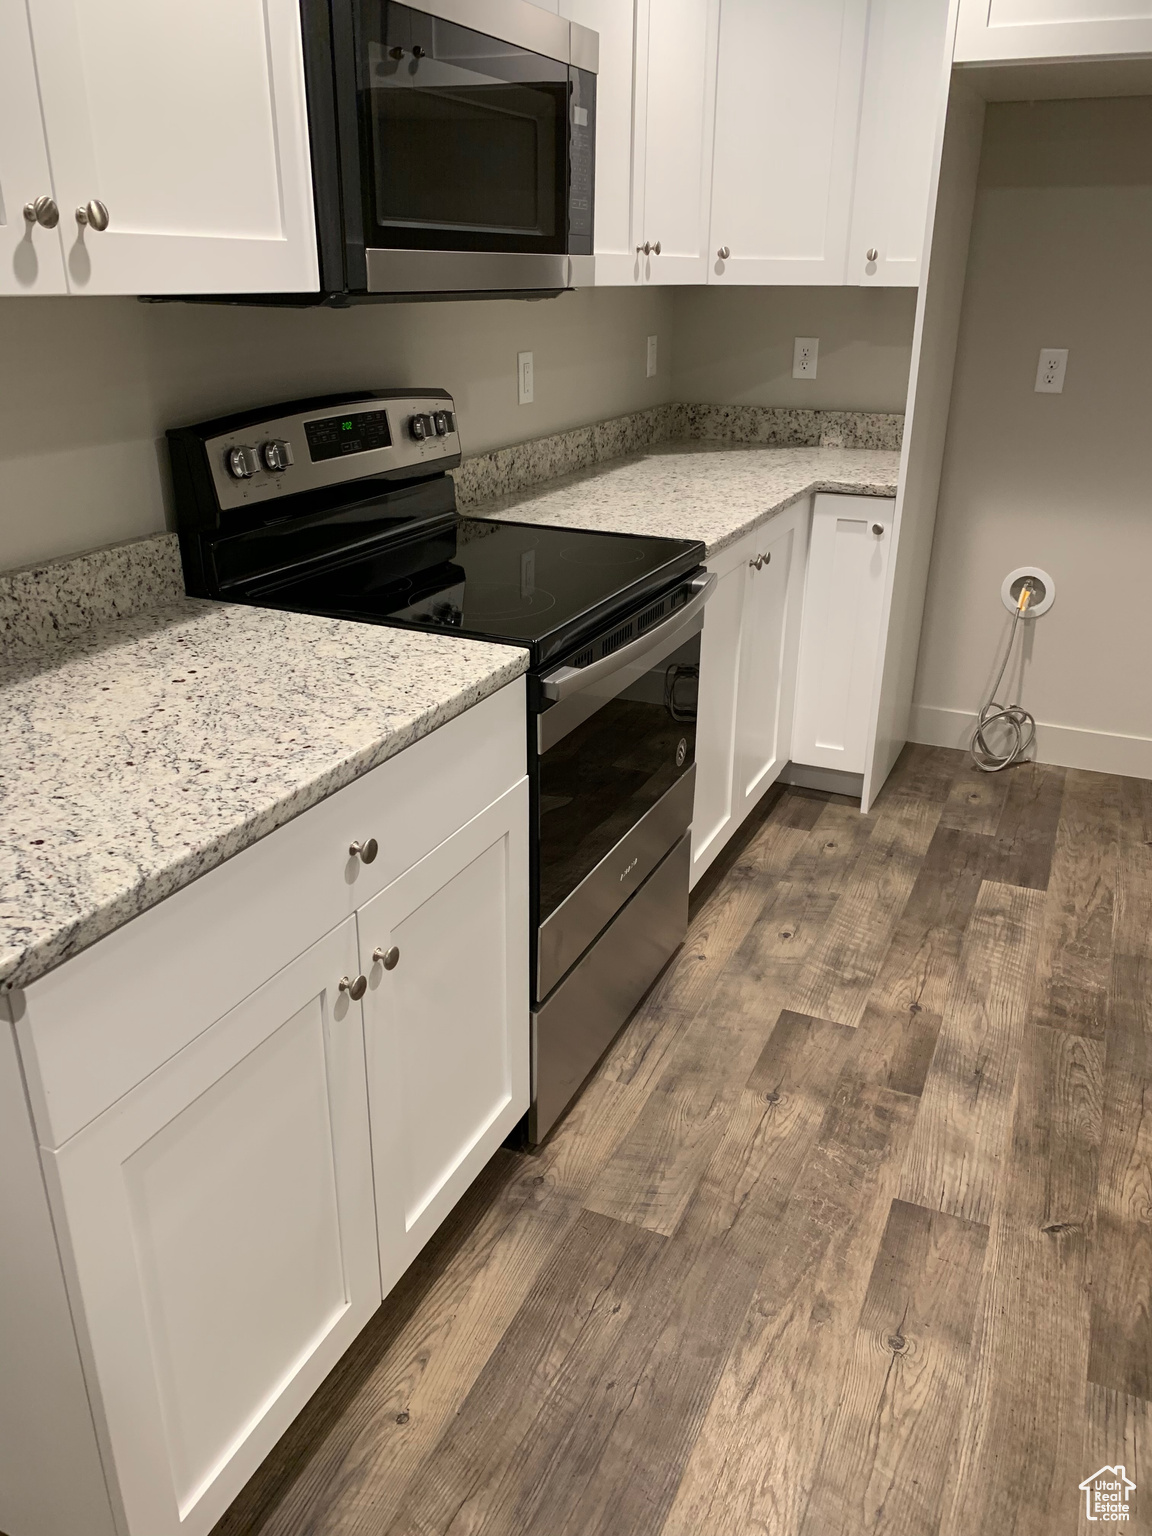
x,y
88,386
734,346
1061,256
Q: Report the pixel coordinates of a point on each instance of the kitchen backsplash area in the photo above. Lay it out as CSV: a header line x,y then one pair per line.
x,y
507,470
43,604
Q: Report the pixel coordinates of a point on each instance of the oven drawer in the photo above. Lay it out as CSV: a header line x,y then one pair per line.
x,y
567,932
573,1029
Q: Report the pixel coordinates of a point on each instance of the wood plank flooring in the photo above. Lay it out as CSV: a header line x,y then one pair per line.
x,y
850,1232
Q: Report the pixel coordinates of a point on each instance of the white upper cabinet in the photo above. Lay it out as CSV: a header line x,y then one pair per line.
x,y
675,114
905,84
787,106
30,257
997,30
615,21
826,116
188,125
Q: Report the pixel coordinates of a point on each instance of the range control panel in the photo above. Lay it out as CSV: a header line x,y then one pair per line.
x,y
340,441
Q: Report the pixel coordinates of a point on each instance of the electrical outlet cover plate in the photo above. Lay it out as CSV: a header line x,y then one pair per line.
x,y
525,382
805,355
1050,370
1010,598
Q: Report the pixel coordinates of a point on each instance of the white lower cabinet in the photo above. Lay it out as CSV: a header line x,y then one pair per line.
x,y
747,678
276,1133
445,950
219,1239
840,638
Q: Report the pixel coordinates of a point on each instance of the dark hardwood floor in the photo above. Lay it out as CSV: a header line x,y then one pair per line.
x,y
850,1232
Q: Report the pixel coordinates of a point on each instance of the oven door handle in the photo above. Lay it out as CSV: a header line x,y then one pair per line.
x,y
566,681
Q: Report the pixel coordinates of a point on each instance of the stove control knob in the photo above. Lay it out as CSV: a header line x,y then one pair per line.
x,y
277,455
440,421
242,463
421,427
449,420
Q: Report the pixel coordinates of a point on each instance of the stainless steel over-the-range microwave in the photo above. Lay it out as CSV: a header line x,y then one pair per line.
x,y
453,147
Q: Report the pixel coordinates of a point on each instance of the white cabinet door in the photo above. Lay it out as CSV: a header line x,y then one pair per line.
x,y
997,30
188,123
748,659
768,655
218,1234
675,112
713,819
445,949
905,90
840,638
787,106
615,21
30,255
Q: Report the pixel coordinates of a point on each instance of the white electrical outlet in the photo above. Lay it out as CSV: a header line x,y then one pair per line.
x,y
651,357
524,381
1050,370
805,352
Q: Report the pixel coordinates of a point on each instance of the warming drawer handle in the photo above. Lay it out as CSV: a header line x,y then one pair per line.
x,y
566,681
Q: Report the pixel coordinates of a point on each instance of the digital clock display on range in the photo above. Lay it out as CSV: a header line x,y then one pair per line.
x,y
336,436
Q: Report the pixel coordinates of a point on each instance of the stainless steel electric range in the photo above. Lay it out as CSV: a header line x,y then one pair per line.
x,y
343,506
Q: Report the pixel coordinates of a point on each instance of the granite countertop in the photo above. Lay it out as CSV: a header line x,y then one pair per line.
x,y
711,492
135,758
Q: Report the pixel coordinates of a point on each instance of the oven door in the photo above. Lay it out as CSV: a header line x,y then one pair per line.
x,y
616,758
475,147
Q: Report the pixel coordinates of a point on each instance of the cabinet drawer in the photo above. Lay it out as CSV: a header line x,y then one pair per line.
x,y
96,1026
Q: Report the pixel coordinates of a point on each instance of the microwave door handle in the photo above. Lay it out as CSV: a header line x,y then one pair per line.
x,y
566,681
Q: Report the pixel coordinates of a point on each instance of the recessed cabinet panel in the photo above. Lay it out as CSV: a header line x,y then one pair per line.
x,y
905,78
1001,30
188,125
844,590
446,1014
218,1225
764,702
787,103
712,813
30,254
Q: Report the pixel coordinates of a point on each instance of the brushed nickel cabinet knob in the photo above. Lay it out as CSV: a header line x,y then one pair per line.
x,y
877,529
365,851
656,249
94,214
723,253
872,254
42,211
388,958
355,986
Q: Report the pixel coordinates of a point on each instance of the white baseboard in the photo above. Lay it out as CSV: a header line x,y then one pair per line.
x,y
1067,746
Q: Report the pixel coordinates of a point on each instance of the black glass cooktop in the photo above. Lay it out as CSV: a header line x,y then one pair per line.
x,y
545,588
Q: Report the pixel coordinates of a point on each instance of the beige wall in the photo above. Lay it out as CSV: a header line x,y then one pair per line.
x,y
1061,256
734,346
88,386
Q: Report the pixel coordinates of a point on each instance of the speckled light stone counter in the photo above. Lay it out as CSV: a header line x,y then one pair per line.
x,y
692,491
135,758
